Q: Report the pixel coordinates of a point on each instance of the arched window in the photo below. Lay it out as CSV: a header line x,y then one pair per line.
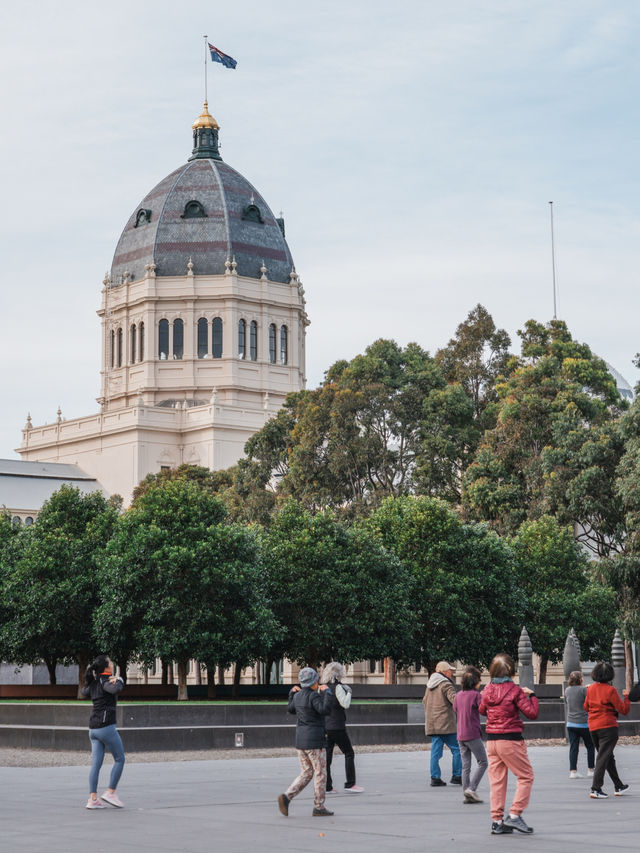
x,y
163,339
203,337
119,347
16,521
178,338
216,333
112,352
272,343
253,341
134,342
242,339
284,345
141,342
193,210
28,521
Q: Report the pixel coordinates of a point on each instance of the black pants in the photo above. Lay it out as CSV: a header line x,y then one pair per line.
x,y
575,735
605,741
340,738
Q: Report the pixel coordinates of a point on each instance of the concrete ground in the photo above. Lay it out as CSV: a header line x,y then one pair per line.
x,y
230,805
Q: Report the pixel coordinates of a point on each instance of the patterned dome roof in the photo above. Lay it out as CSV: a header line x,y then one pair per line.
x,y
207,212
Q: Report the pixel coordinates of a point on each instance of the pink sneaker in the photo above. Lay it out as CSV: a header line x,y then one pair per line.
x,y
354,789
95,804
113,799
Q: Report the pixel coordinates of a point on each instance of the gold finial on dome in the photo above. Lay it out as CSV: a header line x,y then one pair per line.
x,y
205,119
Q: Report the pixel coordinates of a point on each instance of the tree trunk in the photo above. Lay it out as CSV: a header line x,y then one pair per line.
x,y
628,661
390,671
198,672
51,668
182,681
220,675
165,672
122,666
542,679
211,682
83,663
171,672
268,664
237,672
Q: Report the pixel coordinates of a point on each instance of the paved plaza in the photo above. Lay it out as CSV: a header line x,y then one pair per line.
x,y
230,806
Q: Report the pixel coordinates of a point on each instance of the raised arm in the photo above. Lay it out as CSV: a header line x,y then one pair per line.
x,y
114,686
528,704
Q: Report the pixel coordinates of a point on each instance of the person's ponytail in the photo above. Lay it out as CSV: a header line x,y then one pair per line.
x,y
89,677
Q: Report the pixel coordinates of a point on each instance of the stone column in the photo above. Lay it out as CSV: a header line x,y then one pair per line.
x,y
525,656
617,659
570,656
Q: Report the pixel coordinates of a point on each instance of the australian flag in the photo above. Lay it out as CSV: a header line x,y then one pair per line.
x,y
219,56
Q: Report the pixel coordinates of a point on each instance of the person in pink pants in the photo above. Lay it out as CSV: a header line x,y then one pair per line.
x,y
501,703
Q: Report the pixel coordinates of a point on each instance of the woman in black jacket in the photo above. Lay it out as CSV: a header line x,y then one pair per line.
x,y
102,687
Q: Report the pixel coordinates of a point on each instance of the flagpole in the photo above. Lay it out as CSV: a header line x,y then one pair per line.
x,y
205,69
553,263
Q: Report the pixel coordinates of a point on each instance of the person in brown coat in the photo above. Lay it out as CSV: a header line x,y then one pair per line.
x,y
440,723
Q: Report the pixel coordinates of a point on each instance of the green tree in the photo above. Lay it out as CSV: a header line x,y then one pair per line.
x,y
561,592
546,452
180,582
336,592
378,426
475,359
52,590
465,597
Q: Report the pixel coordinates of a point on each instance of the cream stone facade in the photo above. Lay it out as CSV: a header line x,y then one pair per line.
x,y
203,330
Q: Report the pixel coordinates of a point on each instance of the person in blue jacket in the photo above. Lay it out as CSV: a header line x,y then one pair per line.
x,y
311,703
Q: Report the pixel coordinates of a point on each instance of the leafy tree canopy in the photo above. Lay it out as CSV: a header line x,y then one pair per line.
x,y
180,581
551,448
337,593
465,596
53,588
561,592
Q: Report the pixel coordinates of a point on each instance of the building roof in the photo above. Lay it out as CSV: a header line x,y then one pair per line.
x,y
207,213
624,388
25,486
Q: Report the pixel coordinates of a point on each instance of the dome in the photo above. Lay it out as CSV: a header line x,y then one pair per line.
x,y
205,212
624,388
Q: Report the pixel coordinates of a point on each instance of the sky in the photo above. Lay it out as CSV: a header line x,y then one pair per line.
x,y
413,148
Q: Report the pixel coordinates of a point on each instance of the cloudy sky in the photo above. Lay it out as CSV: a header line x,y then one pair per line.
x,y
413,147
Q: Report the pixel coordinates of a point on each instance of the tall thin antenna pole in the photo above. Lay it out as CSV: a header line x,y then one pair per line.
x,y
553,264
205,68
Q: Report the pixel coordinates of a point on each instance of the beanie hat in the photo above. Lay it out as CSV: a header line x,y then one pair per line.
x,y
307,676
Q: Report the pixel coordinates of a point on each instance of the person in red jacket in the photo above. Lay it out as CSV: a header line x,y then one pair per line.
x,y
603,704
501,703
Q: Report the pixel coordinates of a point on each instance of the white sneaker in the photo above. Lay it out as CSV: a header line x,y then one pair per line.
x,y
590,772
573,774
113,799
354,789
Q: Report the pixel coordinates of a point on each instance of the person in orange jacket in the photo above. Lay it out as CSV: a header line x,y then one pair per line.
x,y
603,704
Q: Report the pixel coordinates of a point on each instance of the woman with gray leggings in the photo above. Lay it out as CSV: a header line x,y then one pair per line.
x,y
466,706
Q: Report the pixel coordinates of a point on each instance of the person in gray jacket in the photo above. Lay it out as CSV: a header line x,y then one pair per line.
x,y
336,726
577,725
311,703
